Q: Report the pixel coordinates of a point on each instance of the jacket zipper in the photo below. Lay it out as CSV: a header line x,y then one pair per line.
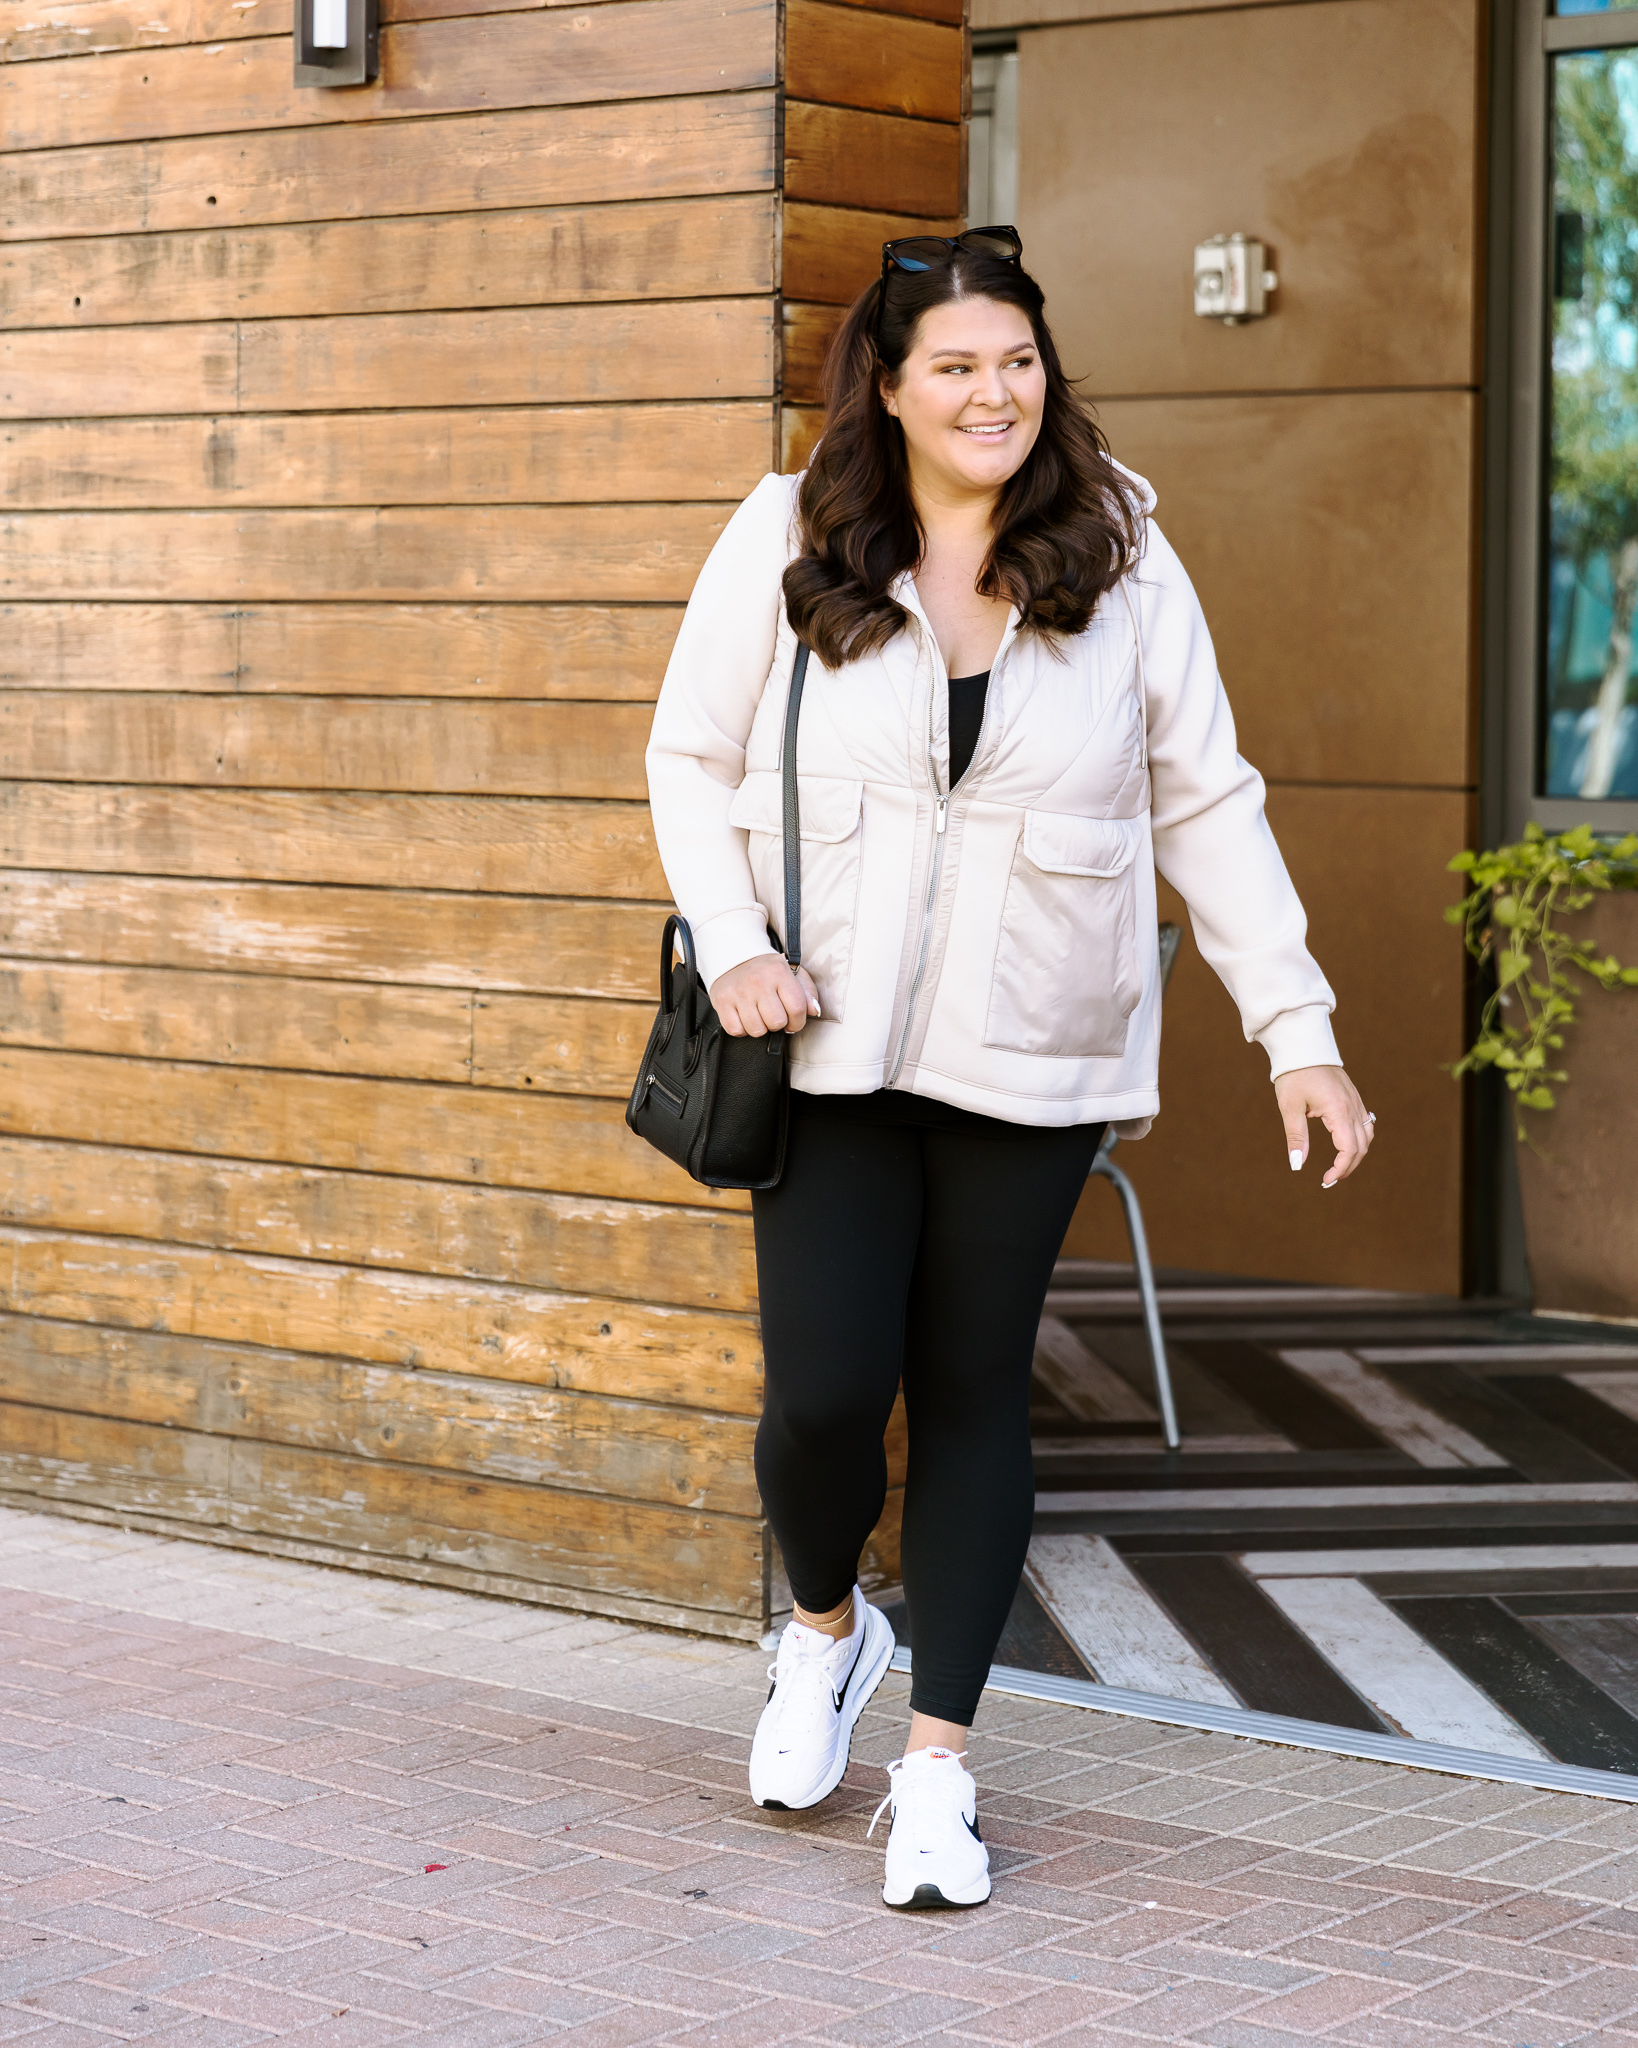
x,y
926,926
932,892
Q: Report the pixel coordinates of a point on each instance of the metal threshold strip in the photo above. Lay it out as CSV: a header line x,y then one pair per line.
x,y
1294,1734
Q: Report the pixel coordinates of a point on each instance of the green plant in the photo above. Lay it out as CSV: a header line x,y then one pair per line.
x,y
1509,921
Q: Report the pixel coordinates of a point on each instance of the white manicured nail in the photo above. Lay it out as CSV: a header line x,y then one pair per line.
x,y
1296,1162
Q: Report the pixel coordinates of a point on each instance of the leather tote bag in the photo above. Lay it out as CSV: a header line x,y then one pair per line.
x,y
716,1105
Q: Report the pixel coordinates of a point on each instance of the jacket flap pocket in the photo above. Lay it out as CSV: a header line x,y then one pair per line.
x,y
830,805
1066,845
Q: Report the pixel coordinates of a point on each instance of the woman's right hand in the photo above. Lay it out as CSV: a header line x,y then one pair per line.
x,y
763,995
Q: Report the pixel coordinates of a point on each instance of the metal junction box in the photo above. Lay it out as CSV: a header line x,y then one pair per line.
x,y
1231,279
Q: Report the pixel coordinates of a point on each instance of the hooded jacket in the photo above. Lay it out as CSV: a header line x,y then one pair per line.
x,y
995,945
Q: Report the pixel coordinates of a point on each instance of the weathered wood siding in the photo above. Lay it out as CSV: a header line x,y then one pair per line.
x,y
357,451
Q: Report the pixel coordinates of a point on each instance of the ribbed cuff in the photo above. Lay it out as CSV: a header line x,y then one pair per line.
x,y
1299,1038
729,938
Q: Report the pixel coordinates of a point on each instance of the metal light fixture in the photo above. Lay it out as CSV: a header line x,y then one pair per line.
x,y
336,41
1231,280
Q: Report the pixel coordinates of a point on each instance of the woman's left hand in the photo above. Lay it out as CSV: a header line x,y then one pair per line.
x,y
1326,1093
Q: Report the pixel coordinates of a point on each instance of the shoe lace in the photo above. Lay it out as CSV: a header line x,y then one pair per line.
x,y
803,1696
900,1792
893,1794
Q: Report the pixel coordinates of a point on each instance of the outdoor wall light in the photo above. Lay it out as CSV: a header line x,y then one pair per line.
x,y
336,41
1231,282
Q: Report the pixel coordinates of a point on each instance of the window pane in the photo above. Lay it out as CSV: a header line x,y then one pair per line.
x,y
1593,6
992,139
1591,716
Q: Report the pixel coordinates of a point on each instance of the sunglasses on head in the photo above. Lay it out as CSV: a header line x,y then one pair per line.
x,y
916,253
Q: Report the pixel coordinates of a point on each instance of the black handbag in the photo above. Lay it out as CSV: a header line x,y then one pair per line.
x,y
719,1106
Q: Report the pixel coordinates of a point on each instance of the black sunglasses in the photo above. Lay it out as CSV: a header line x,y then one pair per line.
x,y
916,253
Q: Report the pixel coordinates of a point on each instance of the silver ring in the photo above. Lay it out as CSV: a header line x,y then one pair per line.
x,y
1370,1116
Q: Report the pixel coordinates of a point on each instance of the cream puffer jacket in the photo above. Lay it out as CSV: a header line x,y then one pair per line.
x,y
993,945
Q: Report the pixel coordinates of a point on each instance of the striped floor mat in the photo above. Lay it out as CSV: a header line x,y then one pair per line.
x,y
1390,1514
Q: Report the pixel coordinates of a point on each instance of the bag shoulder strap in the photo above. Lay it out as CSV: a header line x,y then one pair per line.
x,y
792,818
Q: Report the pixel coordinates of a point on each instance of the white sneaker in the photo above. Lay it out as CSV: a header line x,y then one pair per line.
x,y
935,1855
819,1690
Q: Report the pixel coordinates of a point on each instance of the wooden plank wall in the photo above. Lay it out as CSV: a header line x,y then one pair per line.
x,y
359,449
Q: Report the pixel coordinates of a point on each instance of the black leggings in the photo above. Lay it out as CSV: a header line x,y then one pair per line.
x,y
910,1239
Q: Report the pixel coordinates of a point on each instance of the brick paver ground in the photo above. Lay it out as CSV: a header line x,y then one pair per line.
x,y
245,1800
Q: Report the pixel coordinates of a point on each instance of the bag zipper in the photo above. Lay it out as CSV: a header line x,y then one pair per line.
x,y
674,1099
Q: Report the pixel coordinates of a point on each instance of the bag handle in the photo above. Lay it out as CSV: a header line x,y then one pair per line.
x,y
792,816
676,934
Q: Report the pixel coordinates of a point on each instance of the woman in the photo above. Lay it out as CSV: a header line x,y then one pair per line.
x,y
1012,717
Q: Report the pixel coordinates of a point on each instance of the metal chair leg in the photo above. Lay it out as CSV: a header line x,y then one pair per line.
x,y
1151,1301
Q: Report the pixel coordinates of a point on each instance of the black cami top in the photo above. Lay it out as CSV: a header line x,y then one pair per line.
x,y
966,717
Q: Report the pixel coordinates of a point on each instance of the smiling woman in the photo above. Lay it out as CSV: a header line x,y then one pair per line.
x,y
952,343
1012,716
969,396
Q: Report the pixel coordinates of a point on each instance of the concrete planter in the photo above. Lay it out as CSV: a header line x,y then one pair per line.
x,y
1579,1175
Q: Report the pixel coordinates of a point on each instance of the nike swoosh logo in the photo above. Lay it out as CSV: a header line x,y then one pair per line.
x,y
838,1697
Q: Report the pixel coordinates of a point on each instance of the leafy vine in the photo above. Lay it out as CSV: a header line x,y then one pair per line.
x,y
1509,921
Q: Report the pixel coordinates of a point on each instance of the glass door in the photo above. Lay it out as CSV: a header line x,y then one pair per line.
x,y
1589,707
1573,724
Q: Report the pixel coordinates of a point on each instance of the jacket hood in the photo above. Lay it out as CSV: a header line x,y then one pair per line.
x,y
1145,490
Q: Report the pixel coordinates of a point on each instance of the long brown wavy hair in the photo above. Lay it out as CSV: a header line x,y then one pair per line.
x,y
1066,526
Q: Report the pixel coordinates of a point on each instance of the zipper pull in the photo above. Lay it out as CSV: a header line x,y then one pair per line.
x,y
938,830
